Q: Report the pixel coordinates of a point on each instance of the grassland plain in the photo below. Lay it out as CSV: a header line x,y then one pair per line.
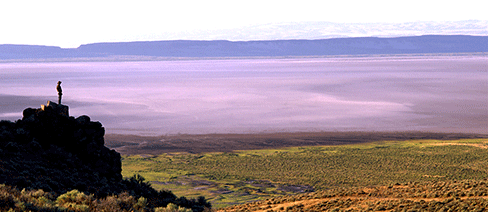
x,y
228,178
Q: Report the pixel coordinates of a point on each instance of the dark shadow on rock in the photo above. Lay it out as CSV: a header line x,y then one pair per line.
x,y
48,149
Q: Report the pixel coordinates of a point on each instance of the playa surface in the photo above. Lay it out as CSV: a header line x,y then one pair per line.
x,y
241,96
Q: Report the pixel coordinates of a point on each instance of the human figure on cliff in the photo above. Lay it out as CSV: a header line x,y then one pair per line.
x,y
60,92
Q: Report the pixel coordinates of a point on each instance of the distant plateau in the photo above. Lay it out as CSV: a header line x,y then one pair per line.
x,y
427,44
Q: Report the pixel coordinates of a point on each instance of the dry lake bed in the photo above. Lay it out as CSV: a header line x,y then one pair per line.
x,y
383,93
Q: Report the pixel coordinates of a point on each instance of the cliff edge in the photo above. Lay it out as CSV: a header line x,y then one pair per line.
x,y
50,150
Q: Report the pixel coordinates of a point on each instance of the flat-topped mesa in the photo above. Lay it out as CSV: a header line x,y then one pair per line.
x,y
58,108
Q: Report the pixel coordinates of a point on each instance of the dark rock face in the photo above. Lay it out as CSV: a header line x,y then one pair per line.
x,y
50,150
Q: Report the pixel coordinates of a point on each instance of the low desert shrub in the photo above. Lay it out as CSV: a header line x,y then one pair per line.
x,y
74,201
11,199
172,208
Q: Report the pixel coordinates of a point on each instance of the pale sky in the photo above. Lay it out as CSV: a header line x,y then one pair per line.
x,y
69,24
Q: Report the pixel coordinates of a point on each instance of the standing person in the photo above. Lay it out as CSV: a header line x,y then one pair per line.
x,y
60,92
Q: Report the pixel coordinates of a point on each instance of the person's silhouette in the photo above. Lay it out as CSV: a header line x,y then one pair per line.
x,y
60,92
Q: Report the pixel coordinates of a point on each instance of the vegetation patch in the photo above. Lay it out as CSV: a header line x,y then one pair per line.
x,y
465,195
242,176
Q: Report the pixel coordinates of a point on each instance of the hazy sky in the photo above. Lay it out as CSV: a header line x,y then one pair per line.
x,y
71,23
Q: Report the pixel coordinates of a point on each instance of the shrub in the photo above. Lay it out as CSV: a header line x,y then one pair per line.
x,y
75,201
141,203
172,208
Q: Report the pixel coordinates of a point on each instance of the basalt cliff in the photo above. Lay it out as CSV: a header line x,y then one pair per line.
x,y
48,149
52,151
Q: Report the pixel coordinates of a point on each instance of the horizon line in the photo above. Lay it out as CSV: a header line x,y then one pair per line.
x,y
235,41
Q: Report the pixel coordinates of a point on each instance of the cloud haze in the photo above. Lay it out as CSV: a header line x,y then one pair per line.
x,y
322,30
71,23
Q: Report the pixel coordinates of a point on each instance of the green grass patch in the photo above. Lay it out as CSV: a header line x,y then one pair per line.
x,y
240,176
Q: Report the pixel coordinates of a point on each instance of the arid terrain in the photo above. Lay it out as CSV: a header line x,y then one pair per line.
x,y
465,195
327,170
154,145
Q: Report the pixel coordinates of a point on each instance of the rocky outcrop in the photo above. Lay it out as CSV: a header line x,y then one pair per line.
x,y
50,150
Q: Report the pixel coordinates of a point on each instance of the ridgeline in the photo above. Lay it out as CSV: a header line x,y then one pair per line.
x,y
427,44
